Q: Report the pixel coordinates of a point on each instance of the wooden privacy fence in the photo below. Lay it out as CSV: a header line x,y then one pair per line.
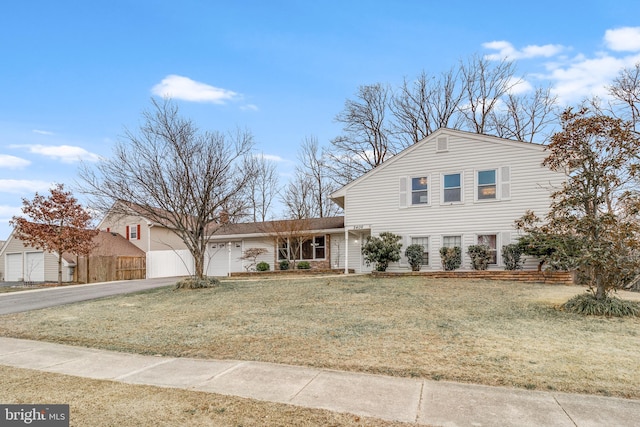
x,y
110,268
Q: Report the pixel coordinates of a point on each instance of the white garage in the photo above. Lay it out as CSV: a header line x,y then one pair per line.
x,y
27,266
223,257
13,267
34,267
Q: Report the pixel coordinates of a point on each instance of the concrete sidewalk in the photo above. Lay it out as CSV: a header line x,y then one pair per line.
x,y
436,403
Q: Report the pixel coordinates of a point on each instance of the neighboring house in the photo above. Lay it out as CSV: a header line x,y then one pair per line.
x,y
112,258
167,255
452,188
22,263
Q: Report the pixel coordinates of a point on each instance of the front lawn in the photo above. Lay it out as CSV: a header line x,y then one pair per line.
x,y
485,332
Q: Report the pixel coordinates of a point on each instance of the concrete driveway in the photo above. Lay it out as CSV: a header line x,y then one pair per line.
x,y
15,302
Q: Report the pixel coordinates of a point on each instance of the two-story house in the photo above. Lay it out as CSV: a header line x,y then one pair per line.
x,y
453,188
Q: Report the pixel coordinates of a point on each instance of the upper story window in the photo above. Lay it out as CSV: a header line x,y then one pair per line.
x,y
420,190
452,188
487,185
133,232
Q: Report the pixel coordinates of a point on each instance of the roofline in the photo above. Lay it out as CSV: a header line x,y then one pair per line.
x,y
527,145
267,234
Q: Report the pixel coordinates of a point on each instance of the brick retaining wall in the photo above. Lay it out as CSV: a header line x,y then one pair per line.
x,y
555,277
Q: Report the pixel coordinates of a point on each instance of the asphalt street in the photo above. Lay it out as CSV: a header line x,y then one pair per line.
x,y
15,302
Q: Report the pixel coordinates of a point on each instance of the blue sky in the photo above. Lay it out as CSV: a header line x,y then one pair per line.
x,y
74,74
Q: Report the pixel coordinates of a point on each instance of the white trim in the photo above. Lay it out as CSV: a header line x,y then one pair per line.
x,y
410,190
442,175
476,184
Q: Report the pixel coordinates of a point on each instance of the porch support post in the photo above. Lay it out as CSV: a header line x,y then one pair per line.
x,y
346,251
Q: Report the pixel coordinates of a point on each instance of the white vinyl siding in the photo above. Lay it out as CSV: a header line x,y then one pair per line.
x,y
373,199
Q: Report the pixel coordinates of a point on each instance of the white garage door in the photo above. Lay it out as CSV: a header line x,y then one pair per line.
x,y
34,267
218,258
13,270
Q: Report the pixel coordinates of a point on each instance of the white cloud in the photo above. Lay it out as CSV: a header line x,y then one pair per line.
x,y
6,212
625,39
179,87
519,86
271,157
64,153
587,77
20,186
507,51
249,107
42,132
13,162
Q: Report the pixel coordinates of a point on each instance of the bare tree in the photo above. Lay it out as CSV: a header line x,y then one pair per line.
x,y
175,175
525,117
366,141
312,182
297,197
626,93
289,237
425,105
485,83
263,188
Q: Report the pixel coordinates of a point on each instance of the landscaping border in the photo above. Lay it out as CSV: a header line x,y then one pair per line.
x,y
549,277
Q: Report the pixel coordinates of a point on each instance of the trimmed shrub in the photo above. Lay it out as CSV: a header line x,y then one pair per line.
x,y
480,256
284,264
382,250
414,256
303,265
197,283
588,305
451,258
512,256
262,266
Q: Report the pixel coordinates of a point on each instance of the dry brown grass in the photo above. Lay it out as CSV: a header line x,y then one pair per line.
x,y
105,403
486,332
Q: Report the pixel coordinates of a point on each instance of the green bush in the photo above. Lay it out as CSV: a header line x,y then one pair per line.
x,y
303,265
480,256
414,256
284,264
451,258
197,283
262,266
382,250
588,305
512,256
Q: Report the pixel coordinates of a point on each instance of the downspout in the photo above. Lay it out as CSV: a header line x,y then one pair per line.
x,y
149,226
229,262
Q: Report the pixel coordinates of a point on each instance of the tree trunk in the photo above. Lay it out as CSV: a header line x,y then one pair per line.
x,y
60,269
199,265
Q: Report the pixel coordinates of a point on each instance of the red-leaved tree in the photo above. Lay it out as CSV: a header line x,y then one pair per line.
x,y
57,223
